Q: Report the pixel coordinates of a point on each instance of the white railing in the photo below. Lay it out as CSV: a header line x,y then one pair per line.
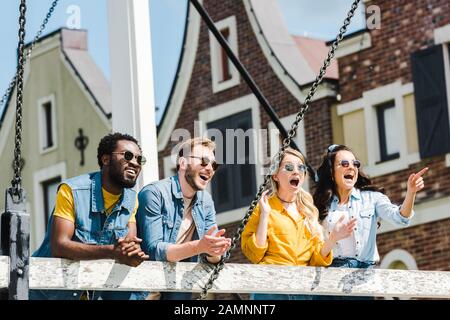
x,y
52,273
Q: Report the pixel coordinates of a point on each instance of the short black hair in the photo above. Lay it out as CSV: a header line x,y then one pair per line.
x,y
109,143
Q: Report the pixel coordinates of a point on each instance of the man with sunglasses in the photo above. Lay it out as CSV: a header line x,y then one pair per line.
x,y
176,217
94,216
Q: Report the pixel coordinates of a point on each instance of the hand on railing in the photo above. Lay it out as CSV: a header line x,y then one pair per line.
x,y
128,251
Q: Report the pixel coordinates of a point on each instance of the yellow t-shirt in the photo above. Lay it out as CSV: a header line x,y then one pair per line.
x,y
65,208
288,242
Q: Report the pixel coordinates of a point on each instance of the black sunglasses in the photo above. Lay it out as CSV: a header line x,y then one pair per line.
x,y
128,155
290,167
206,161
346,163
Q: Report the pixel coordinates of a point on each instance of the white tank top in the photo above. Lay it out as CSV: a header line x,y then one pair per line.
x,y
345,248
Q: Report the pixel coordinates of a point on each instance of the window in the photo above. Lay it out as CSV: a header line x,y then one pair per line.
x,y
388,137
398,259
234,184
442,36
385,125
224,75
47,124
48,135
430,92
45,182
225,72
49,189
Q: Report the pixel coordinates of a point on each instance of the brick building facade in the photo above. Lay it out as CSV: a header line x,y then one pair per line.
x,y
408,27
370,62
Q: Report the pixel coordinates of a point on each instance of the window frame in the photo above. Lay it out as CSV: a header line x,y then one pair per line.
x,y
394,91
237,200
45,186
442,36
223,110
381,108
42,122
38,222
216,57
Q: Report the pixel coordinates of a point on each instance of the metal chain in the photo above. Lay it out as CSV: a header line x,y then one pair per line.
x,y
30,49
17,179
279,155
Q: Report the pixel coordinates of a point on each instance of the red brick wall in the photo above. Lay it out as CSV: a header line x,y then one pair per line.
x,y
406,26
429,244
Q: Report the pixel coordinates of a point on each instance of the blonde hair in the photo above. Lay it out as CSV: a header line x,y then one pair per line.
x,y
305,202
187,146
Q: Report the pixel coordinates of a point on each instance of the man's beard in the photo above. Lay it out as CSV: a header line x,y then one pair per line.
x,y
118,178
189,176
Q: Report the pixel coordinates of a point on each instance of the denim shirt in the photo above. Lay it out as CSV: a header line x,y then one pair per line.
x,y
92,226
160,214
367,207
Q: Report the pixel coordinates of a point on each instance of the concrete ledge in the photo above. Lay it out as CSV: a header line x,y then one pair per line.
x,y
49,273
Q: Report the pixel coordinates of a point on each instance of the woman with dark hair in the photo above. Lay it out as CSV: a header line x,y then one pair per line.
x,y
345,191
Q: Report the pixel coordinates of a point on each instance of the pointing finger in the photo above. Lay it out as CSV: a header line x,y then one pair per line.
x,y
422,172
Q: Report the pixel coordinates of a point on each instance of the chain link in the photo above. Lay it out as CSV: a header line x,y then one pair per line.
x,y
30,49
279,155
17,179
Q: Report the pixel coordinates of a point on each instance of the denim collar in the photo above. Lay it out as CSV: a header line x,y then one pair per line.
x,y
177,193
97,203
354,195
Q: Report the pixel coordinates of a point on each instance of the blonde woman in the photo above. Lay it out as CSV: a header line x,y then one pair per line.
x,y
284,228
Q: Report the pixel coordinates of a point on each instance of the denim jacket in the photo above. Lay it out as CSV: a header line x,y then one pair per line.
x,y
160,214
92,226
367,207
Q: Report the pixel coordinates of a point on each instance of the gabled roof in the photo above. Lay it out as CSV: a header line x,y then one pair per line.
x,y
292,65
315,51
73,45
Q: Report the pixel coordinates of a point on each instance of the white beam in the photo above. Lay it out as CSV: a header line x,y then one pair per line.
x,y
51,273
133,103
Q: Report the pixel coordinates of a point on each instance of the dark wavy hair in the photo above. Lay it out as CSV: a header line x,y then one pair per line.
x,y
109,143
326,186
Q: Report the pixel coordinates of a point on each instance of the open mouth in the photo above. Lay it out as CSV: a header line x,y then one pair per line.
x,y
294,182
204,177
349,176
131,172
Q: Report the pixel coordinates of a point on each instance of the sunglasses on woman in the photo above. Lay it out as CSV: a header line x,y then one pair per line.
x,y
128,156
289,167
346,163
206,161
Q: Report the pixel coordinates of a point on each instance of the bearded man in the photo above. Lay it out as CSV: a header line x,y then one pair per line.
x,y
95,216
176,217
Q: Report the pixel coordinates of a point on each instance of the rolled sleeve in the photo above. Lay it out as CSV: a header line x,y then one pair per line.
x,y
317,260
210,213
160,251
251,250
391,212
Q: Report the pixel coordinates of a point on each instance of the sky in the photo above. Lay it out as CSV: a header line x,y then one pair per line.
x,y
320,19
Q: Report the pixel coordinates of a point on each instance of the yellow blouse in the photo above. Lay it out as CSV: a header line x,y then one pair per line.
x,y
288,242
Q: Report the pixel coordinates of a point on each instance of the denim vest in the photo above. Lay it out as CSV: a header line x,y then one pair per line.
x,y
92,226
